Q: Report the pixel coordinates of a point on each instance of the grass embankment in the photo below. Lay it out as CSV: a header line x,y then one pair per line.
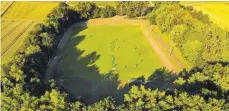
x,y
166,39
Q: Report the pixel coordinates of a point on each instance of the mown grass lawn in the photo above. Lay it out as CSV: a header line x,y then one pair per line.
x,y
127,45
218,11
92,53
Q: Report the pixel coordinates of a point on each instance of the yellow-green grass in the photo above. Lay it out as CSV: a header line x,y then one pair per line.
x,y
12,42
88,58
125,42
29,10
167,40
218,11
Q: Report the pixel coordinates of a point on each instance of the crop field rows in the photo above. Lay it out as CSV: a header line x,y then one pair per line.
x,y
18,18
5,6
13,36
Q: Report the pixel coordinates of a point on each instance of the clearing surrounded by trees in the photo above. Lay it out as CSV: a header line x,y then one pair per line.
x,y
105,45
114,56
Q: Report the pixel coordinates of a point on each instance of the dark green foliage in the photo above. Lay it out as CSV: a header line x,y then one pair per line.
x,y
107,12
198,40
142,99
209,80
189,8
202,43
26,69
96,13
200,16
85,9
131,9
152,18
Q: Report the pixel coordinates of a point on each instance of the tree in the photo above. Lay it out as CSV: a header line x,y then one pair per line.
x,y
200,16
104,105
96,13
85,9
215,44
178,35
152,18
192,51
131,9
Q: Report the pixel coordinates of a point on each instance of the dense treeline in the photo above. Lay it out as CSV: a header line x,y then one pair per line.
x,y
198,39
202,88
132,9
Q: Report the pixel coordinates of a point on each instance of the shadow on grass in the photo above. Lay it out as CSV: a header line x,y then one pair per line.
x,y
79,75
81,78
162,79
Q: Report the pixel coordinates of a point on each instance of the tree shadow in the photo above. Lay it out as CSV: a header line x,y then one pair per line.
x,y
79,75
162,79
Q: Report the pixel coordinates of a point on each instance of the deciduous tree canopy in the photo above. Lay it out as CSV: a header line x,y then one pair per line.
x,y
204,87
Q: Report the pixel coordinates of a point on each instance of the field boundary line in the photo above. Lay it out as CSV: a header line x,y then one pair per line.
x,y
3,38
7,8
12,43
7,25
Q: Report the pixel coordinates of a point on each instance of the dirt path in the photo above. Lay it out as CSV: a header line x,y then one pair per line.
x,y
159,50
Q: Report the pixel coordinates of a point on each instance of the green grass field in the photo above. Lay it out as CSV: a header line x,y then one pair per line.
x,y
92,53
126,43
218,11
